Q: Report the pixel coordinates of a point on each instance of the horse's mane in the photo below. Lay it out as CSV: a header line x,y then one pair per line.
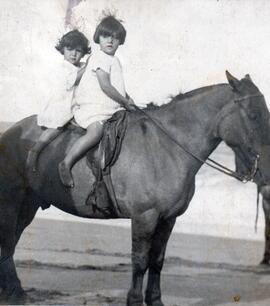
x,y
182,96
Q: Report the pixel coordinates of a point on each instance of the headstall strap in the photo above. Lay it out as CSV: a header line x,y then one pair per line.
x,y
248,97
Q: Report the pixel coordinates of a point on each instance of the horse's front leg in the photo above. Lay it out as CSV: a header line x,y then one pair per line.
x,y
157,254
266,208
143,228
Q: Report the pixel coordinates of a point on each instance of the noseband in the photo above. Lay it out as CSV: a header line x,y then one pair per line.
x,y
210,162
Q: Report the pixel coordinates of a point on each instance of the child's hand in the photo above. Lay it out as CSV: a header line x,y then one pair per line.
x,y
132,104
130,107
131,101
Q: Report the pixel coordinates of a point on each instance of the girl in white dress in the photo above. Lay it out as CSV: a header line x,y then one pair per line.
x,y
100,94
58,109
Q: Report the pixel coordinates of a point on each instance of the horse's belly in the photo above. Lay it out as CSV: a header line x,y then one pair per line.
x,y
47,185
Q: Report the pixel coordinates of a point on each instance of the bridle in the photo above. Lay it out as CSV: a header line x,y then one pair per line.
x,y
210,162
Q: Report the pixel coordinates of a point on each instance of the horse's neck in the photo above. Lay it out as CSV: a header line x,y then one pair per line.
x,y
192,122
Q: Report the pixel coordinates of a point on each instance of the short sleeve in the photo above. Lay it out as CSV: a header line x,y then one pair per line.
x,y
102,61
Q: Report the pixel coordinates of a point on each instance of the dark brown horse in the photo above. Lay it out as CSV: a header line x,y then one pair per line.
x,y
154,179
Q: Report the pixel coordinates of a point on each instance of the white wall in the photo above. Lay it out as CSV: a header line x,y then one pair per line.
x,y
29,30
171,45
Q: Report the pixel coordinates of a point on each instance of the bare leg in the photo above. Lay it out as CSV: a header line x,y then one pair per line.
x,y
80,147
46,138
157,253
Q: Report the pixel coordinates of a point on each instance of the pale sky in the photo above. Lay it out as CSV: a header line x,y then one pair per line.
x,y
171,46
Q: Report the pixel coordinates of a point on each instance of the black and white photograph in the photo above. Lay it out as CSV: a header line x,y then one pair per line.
x,y
135,152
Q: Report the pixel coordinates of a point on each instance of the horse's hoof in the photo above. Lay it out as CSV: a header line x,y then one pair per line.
x,y
154,303
18,300
17,297
153,298
134,300
265,262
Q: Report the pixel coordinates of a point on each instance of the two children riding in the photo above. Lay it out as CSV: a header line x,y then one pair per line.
x,y
99,95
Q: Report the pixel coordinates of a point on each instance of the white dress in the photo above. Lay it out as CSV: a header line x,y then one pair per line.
x,y
91,104
58,103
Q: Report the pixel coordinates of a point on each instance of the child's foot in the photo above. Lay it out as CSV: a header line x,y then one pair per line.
x,y
65,175
31,162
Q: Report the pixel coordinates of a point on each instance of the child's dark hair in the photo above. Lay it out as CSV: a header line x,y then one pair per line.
x,y
73,40
110,26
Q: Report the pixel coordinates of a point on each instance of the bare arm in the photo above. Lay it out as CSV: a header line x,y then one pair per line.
x,y
110,91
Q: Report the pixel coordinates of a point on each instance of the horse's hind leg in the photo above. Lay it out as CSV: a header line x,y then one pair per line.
x,y
143,228
157,253
266,208
17,215
10,282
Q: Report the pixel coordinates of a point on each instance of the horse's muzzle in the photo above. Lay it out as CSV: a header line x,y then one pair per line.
x,y
249,177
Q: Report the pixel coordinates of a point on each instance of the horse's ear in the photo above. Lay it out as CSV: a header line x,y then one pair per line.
x,y
232,80
247,76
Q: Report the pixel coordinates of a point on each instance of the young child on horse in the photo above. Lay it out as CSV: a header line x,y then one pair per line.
x,y
100,94
58,110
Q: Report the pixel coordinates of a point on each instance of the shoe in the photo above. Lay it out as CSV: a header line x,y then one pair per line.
x,y
65,175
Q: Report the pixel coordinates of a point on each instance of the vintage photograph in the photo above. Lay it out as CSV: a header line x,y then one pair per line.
x,y
135,152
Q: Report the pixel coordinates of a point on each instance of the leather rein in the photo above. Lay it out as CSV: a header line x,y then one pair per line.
x,y
210,162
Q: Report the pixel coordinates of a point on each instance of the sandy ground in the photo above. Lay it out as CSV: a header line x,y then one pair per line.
x,y
71,263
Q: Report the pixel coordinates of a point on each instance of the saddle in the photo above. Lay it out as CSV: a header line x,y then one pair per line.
x,y
100,160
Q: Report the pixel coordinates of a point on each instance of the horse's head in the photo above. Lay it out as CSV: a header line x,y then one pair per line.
x,y
244,122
